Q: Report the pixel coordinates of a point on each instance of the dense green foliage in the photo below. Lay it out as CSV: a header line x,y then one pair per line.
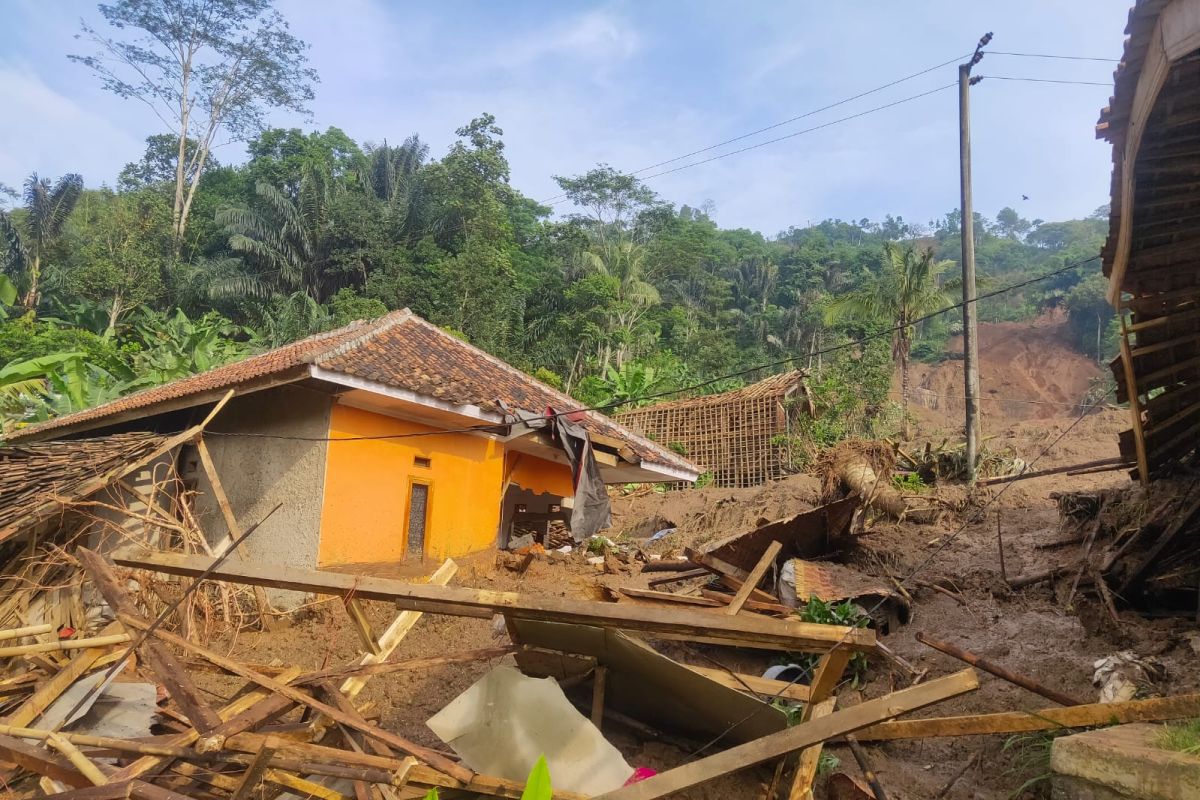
x,y
627,296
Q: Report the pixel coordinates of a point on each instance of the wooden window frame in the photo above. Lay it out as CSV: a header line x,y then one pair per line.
x,y
428,483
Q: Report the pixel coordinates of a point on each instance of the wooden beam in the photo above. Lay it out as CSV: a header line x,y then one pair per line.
x,y
166,667
752,580
804,735
599,679
698,625
1000,671
252,777
362,625
1135,404
820,699
732,575
265,611
810,757
396,632
754,684
431,757
1159,709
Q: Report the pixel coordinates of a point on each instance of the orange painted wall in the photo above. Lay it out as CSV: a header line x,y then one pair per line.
x,y
539,475
365,510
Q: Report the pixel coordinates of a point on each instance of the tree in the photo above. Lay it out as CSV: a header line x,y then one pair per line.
x,y
46,210
906,289
157,165
117,247
288,241
202,66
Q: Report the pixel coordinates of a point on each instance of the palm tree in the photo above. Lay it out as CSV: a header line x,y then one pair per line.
x,y
624,261
907,289
46,210
289,241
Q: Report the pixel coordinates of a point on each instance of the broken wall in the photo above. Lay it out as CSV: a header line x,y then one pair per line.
x,y
258,472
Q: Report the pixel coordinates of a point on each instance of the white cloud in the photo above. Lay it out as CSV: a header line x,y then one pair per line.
x,y
43,130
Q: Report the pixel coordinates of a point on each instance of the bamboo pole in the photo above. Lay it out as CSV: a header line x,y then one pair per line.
x,y
64,644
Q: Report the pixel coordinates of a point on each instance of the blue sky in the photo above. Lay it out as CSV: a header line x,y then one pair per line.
x,y
635,83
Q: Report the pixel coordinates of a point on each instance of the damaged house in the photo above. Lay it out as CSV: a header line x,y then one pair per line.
x,y
384,441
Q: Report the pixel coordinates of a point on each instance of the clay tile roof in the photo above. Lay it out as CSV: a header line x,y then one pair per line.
x,y
398,350
415,355
780,385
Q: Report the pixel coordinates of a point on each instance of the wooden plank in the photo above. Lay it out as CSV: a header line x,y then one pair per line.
x,y
265,611
754,684
431,757
599,679
1159,709
796,738
745,630
161,661
396,632
828,675
752,580
362,625
679,576
253,775
810,757
732,575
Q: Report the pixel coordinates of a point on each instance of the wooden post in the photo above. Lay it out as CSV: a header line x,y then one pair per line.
x,y
967,213
362,625
265,611
599,678
752,580
1135,403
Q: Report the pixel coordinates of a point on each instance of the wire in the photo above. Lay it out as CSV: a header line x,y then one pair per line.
x,y
1044,80
799,133
919,568
693,387
1048,55
788,121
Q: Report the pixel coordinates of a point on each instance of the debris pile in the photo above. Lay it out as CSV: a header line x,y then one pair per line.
x,y
1135,545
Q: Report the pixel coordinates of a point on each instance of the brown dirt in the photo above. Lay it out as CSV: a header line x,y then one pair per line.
x,y
1029,631
1026,371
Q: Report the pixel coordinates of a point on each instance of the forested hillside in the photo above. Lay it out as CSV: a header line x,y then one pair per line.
x,y
613,293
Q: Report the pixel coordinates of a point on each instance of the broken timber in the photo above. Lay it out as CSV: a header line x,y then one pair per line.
x,y
1158,709
698,626
796,738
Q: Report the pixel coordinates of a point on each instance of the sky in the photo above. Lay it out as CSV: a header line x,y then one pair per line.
x,y
632,84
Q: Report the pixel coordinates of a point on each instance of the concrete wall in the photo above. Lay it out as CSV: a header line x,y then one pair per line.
x,y
258,472
369,483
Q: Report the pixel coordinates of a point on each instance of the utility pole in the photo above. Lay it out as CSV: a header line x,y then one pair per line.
x,y
966,212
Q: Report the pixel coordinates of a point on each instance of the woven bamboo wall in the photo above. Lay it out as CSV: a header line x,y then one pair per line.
x,y
727,434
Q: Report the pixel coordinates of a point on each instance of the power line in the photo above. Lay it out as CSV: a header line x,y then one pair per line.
x,y
1050,55
1044,80
800,133
788,121
693,387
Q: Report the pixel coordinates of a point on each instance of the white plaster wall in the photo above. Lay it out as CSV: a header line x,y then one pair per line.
x,y
259,472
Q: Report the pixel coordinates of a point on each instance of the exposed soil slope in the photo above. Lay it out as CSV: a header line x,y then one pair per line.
x,y
1026,371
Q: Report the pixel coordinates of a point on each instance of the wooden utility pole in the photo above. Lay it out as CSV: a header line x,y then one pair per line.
x,y
967,214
